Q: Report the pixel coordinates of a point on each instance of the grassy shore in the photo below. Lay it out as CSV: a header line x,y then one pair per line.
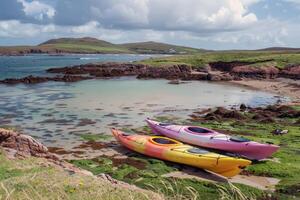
x,y
35,178
149,173
259,58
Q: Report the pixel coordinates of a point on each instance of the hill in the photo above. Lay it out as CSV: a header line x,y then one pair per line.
x,y
156,47
280,49
95,46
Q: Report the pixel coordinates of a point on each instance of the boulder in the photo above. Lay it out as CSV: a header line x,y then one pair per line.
x,y
292,72
20,145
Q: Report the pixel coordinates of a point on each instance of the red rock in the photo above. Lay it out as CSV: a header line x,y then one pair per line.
x,y
255,72
23,145
35,80
292,72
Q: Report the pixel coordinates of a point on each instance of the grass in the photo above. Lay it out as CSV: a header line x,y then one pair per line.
x,y
155,47
284,165
33,179
150,177
200,60
86,48
287,167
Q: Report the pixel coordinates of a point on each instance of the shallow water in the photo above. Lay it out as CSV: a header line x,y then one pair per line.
x,y
58,113
20,66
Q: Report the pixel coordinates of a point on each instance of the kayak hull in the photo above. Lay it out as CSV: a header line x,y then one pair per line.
x,y
214,140
179,153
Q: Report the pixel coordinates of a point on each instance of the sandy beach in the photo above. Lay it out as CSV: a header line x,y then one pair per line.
x,y
283,87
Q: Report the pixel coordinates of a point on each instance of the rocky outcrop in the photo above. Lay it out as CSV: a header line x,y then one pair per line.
x,y
255,72
292,72
102,69
126,69
269,114
181,71
16,145
19,145
228,66
216,71
34,79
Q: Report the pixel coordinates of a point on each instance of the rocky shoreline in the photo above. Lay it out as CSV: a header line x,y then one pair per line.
x,y
36,79
217,71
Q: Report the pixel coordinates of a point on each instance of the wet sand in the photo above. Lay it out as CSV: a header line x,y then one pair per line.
x,y
283,87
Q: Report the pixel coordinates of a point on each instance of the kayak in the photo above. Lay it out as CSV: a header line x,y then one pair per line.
x,y
212,139
171,150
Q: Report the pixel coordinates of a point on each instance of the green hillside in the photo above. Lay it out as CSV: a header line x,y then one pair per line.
x,y
93,45
83,45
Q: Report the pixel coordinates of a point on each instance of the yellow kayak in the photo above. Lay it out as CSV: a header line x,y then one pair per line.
x,y
171,150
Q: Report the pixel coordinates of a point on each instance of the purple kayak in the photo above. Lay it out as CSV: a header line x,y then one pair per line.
x,y
212,139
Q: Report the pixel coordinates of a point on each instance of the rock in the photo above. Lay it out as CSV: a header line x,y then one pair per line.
x,y
23,145
279,132
292,72
213,77
127,69
17,145
219,77
174,82
255,72
195,76
33,79
264,118
243,107
84,122
204,69
228,66
221,113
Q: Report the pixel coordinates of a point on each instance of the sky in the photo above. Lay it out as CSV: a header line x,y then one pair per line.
x,y
209,24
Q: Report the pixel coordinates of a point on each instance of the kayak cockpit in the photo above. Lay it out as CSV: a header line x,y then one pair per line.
x,y
164,141
198,130
239,139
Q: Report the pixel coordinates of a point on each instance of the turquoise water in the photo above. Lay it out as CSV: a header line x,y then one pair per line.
x,y
20,66
53,112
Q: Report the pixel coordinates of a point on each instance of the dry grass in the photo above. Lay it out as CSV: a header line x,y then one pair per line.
x,y
174,191
232,193
29,180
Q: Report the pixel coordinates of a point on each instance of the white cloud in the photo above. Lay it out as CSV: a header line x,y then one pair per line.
x,y
210,24
87,28
13,28
37,9
183,15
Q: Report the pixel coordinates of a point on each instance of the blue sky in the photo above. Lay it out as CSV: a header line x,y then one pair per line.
x,y
213,24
